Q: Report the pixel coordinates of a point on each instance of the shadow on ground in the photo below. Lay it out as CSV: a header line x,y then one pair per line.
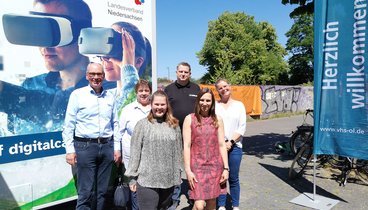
x,y
300,184
260,145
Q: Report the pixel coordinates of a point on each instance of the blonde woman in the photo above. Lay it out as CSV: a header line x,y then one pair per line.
x,y
234,116
156,155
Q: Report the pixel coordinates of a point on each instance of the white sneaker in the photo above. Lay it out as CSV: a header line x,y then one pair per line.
x,y
221,208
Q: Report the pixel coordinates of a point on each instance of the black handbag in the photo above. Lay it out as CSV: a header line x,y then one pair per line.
x,y
121,194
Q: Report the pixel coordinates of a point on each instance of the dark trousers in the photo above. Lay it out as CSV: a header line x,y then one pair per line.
x,y
94,164
154,198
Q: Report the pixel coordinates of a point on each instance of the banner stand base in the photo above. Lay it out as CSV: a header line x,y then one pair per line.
x,y
319,202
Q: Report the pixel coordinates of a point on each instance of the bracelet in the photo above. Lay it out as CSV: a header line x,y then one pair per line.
x,y
232,141
226,140
226,169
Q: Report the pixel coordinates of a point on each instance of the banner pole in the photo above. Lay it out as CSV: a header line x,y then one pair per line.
x,y
314,176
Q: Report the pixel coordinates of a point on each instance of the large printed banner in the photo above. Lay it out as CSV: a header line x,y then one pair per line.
x,y
41,63
341,62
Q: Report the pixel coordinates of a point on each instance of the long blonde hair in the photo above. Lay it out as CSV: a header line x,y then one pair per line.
x,y
169,117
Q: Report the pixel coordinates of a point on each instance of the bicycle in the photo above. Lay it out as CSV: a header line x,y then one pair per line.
x,y
302,134
345,164
302,158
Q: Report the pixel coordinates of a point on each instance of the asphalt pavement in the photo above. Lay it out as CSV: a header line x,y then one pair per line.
x,y
264,174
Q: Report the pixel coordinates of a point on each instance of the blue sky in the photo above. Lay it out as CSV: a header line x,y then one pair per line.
x,y
182,27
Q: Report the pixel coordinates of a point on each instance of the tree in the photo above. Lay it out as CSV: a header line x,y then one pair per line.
x,y
300,46
241,50
306,7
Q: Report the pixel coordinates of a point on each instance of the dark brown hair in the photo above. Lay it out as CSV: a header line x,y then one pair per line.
x,y
184,64
77,9
197,108
142,82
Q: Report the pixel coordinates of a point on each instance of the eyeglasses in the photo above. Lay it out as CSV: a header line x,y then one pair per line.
x,y
93,74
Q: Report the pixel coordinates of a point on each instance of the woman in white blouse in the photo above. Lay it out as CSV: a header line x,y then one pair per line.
x,y
234,117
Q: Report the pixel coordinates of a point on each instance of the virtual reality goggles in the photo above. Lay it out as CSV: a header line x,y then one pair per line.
x,y
42,29
98,41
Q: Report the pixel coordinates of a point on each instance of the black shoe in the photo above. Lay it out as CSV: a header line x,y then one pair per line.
x,y
174,205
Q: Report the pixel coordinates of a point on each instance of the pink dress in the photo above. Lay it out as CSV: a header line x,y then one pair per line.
x,y
205,160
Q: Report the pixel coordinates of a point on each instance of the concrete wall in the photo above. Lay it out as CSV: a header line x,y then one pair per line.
x,y
282,99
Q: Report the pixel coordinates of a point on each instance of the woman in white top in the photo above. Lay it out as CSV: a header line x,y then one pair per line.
x,y
129,117
132,113
234,117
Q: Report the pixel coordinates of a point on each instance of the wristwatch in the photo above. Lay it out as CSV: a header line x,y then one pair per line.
x,y
227,169
232,141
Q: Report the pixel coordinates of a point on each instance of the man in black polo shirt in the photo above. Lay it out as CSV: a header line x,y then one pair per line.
x,y
182,96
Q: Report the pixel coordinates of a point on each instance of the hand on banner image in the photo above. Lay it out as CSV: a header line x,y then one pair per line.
x,y
117,157
191,180
71,158
128,48
128,45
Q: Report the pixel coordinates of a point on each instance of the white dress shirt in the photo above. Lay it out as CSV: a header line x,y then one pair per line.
x,y
91,115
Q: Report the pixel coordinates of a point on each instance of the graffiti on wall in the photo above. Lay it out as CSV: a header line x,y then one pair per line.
x,y
281,99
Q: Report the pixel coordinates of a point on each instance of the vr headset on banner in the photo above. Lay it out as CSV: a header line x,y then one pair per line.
x,y
50,30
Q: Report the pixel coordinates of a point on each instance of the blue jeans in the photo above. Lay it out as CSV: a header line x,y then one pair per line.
x,y
182,189
94,164
235,156
134,200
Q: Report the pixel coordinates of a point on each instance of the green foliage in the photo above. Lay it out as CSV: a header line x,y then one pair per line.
x,y
242,51
163,81
300,46
305,7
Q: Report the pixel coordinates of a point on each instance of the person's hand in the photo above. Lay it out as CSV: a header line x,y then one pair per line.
x,y
228,145
133,187
71,158
224,176
128,45
128,48
117,157
191,180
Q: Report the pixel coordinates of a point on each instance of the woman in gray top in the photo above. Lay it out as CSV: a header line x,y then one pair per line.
x,y
156,155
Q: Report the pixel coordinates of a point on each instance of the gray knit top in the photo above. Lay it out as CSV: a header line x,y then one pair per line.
x,y
156,158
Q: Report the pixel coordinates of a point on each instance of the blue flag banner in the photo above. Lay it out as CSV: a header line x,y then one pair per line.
x,y
340,78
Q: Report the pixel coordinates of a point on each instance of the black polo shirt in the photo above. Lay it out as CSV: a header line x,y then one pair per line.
x,y
182,99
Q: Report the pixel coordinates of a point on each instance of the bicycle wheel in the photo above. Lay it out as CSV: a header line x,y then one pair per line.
x,y
300,161
337,161
299,137
362,170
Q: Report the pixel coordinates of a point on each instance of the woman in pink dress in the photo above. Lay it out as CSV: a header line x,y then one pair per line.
x,y
205,155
